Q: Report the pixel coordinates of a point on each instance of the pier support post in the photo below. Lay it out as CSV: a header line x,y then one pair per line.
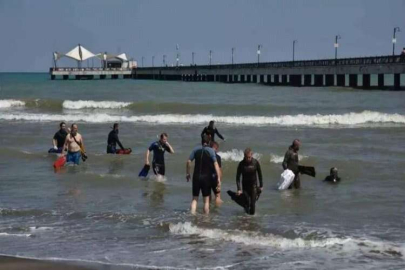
x,y
366,81
397,81
381,81
53,77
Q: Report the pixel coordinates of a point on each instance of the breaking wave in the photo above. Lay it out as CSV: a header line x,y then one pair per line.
x,y
349,119
90,104
236,155
275,241
7,103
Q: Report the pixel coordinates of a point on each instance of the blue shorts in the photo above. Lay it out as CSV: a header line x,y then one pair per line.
x,y
73,157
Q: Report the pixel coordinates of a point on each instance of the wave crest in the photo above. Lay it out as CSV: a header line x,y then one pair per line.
x,y
7,103
91,104
236,155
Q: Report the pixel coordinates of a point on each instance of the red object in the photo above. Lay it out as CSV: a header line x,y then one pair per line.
x,y
126,151
60,162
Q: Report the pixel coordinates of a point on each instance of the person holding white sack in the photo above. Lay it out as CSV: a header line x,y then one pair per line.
x,y
290,162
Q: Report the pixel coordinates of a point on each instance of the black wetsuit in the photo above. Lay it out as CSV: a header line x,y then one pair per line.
x,y
249,171
291,162
158,163
60,137
112,142
205,159
211,132
214,181
332,179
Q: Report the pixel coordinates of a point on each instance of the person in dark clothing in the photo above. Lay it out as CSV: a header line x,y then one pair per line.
x,y
211,131
113,140
249,169
159,148
205,159
214,181
58,140
333,176
291,162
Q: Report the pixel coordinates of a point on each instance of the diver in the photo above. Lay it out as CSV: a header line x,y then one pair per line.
x,y
249,169
59,138
159,148
205,160
113,140
214,180
211,130
291,162
333,176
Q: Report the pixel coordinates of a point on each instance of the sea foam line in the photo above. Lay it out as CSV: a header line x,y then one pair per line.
x,y
7,103
269,240
91,104
348,119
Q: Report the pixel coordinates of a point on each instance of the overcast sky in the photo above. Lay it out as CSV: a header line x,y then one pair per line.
x,y
31,30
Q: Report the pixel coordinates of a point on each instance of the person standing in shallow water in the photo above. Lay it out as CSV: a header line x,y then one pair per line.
x,y
291,162
249,169
74,145
113,140
159,148
210,131
59,138
205,159
217,193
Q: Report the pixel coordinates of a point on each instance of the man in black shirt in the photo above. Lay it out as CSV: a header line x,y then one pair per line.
x,y
113,140
211,131
205,160
159,148
59,139
291,162
249,169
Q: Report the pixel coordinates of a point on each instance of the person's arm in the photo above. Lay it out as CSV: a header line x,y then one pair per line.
x,y
259,173
203,132
55,143
118,141
219,175
169,148
147,157
238,174
219,135
65,146
188,167
285,161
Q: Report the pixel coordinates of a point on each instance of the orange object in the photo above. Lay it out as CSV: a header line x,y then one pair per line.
x,y
60,162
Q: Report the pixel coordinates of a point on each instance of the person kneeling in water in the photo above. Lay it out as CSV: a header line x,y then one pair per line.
x,y
249,168
333,176
113,140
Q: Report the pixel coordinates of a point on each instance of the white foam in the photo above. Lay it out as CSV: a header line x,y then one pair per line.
x,y
349,119
269,240
279,159
91,104
7,103
236,155
14,234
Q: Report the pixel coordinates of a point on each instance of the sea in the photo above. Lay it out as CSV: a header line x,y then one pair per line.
x,y
101,212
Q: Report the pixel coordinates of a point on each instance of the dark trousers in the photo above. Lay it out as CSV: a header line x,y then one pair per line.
x,y
250,191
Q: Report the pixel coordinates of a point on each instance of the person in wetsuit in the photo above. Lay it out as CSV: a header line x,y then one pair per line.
x,y
159,148
291,162
59,138
211,131
214,181
113,140
333,176
249,169
205,159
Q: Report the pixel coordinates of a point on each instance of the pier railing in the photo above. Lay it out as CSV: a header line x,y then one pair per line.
x,y
88,69
375,60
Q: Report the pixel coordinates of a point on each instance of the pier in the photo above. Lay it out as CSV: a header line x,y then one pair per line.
x,y
379,72
90,73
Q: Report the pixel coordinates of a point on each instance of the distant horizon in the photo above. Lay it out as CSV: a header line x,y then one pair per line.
x,y
32,31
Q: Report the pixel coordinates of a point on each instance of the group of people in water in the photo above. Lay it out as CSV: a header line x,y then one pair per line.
x,y
207,173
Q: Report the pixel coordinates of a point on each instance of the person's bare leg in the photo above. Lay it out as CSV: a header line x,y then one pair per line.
x,y
193,207
218,200
207,205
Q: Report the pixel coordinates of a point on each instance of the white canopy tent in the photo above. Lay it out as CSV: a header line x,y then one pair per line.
x,y
80,53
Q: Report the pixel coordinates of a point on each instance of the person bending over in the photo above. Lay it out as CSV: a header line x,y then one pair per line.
x,y
113,140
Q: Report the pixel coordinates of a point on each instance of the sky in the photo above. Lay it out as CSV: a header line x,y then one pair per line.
x,y
31,30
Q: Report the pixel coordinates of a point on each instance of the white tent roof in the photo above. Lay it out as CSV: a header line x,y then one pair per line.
x,y
122,56
57,56
80,53
105,56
